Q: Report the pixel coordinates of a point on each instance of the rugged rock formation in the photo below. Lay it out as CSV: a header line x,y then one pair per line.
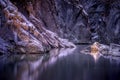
x,y
30,36
68,19
4,47
80,21
104,20
101,49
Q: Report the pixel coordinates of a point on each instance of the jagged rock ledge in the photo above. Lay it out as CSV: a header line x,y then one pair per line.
x,y
30,35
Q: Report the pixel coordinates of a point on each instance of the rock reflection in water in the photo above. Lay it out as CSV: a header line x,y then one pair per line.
x,y
58,53
28,67
81,67
59,64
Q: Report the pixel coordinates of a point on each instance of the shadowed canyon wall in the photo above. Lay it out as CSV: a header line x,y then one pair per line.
x,y
80,21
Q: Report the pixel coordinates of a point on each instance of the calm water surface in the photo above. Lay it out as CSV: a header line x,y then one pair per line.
x,y
59,64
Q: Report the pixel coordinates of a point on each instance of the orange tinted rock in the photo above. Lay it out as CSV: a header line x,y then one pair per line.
x,y
95,47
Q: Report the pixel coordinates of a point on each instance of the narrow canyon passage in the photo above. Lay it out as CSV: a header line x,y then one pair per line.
x,y
59,39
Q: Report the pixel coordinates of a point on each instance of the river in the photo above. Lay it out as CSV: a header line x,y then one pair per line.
x,y
59,64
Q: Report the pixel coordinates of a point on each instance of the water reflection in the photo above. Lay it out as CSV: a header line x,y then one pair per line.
x,y
58,53
59,64
95,56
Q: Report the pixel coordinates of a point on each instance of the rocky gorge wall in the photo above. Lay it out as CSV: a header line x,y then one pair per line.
x,y
80,21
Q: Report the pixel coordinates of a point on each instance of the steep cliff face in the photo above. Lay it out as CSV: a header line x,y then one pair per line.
x,y
80,21
104,17
67,18
29,35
